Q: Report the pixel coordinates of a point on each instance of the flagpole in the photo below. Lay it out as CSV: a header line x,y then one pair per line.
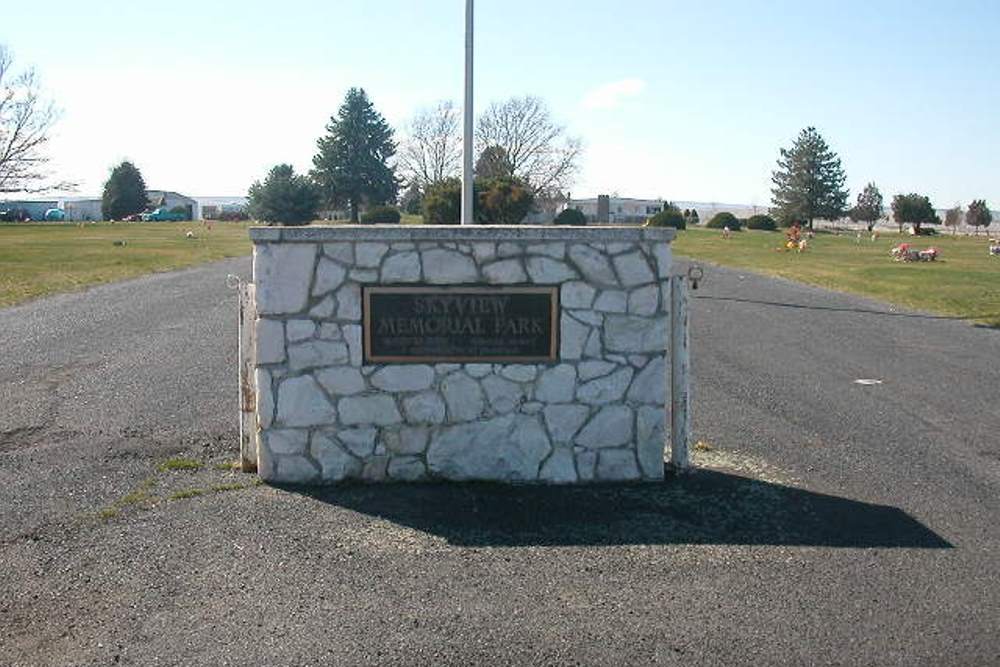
x,y
467,191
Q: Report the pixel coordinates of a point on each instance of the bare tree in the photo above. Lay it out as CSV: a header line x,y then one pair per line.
x,y
432,149
26,118
538,149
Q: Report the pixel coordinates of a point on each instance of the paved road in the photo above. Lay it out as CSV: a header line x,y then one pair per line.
x,y
833,523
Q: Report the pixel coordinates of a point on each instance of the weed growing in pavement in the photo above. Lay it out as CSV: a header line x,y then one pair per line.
x,y
180,463
138,496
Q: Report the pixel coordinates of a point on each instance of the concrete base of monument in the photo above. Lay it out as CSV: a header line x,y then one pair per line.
x,y
510,354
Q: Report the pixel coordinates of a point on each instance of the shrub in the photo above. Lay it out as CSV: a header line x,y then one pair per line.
x,y
381,215
284,198
671,217
571,217
723,220
502,201
442,203
764,222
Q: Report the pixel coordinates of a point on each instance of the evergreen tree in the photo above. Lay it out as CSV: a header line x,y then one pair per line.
x,y
351,166
124,193
979,214
284,198
869,208
809,181
494,163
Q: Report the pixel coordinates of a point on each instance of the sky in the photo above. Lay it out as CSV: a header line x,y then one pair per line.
x,y
688,101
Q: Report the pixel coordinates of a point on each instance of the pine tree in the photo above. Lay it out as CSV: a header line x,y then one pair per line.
x,y
284,198
809,181
351,166
124,193
869,208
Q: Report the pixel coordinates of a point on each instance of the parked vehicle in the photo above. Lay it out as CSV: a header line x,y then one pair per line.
x,y
163,215
55,215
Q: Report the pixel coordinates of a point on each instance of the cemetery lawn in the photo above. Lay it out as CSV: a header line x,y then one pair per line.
x,y
37,260
964,282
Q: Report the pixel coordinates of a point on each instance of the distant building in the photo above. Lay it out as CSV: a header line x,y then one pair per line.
x,y
171,200
79,209
607,210
213,208
32,209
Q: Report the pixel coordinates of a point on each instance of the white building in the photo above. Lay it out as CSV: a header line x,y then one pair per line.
x,y
607,210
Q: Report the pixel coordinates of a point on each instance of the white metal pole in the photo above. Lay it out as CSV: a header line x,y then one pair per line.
x,y
680,385
467,191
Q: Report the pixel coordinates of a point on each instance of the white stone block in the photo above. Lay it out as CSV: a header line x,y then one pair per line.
x,y
299,330
644,300
329,276
377,409
508,448
504,396
510,250
364,276
479,370
407,469
484,252
650,385
358,441
505,272
412,440
651,441
594,349
401,268
270,341
341,380
594,266
322,310
265,399
297,470
287,441
564,421
520,372
586,465
352,336
301,402
342,251
463,397
403,378
629,334
662,254
282,272
316,354
594,369
555,250
556,385
424,408
448,267
560,468
330,331
337,464
611,301
608,389
548,271
369,255
574,337
633,269
611,427
577,294
349,302
376,469
617,465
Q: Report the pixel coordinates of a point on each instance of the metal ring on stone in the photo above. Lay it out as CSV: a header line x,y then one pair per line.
x,y
233,281
696,274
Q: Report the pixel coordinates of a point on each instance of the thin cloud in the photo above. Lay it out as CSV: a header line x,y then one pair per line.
x,y
610,95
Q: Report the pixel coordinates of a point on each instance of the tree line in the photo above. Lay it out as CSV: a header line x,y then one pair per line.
x,y
809,184
524,159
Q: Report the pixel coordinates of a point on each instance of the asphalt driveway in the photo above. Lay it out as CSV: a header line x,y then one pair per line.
x,y
830,523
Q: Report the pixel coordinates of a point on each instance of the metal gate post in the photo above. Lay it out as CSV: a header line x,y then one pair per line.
x,y
680,381
248,386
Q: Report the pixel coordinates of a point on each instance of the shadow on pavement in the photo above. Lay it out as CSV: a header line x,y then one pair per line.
x,y
703,507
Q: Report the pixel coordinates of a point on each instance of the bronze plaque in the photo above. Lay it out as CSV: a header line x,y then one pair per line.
x,y
461,324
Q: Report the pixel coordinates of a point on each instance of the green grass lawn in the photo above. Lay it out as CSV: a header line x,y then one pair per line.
x,y
38,259
964,282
